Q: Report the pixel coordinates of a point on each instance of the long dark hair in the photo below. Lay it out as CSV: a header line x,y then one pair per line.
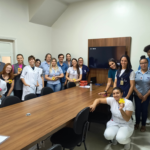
x,y
129,66
113,60
77,66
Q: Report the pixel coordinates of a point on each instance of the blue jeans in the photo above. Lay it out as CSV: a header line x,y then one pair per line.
x,y
141,108
55,87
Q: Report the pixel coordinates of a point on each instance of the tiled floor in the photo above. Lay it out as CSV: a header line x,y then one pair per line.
x,y
96,141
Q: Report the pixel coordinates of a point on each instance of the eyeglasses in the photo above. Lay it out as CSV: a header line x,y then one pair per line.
x,y
143,63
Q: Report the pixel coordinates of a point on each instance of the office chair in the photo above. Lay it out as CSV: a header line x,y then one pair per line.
x,y
46,90
30,96
71,137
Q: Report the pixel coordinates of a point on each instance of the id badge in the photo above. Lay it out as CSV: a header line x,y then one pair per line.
x,y
121,82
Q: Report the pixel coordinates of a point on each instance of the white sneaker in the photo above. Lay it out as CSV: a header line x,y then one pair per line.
x,y
127,146
114,142
147,121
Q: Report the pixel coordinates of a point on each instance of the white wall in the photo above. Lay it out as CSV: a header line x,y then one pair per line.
x,y
31,38
102,19
34,6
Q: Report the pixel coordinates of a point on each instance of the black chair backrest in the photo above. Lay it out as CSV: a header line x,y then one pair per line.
x,y
80,120
46,90
71,84
56,147
30,96
10,100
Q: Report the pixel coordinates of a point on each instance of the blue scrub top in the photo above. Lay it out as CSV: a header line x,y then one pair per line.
x,y
142,81
52,74
64,68
148,64
45,66
112,73
85,70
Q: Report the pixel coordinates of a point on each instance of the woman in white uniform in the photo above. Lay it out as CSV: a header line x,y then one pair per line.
x,y
40,78
120,127
29,77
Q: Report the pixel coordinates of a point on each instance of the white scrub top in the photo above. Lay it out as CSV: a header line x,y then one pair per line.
x,y
117,118
73,74
31,77
3,86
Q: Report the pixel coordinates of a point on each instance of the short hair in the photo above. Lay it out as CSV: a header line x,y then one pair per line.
x,y
80,58
31,57
47,55
60,55
68,54
20,55
118,88
38,60
147,48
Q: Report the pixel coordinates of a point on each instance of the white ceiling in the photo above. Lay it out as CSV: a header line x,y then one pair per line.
x,y
46,12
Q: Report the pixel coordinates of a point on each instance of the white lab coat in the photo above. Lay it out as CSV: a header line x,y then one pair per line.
x,y
31,77
39,88
3,86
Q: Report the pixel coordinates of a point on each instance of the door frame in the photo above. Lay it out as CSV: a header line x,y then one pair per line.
x,y
14,42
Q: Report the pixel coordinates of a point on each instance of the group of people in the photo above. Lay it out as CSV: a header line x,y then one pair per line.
x,y
127,84
22,80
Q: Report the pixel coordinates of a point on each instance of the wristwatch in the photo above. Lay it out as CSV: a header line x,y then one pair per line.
x,y
105,91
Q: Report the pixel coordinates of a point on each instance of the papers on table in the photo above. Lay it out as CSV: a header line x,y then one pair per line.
x,y
87,86
3,138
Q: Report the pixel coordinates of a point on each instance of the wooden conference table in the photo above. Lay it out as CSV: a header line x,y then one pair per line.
x,y
48,114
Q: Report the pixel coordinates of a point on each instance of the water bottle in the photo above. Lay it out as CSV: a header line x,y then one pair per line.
x,y
90,85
